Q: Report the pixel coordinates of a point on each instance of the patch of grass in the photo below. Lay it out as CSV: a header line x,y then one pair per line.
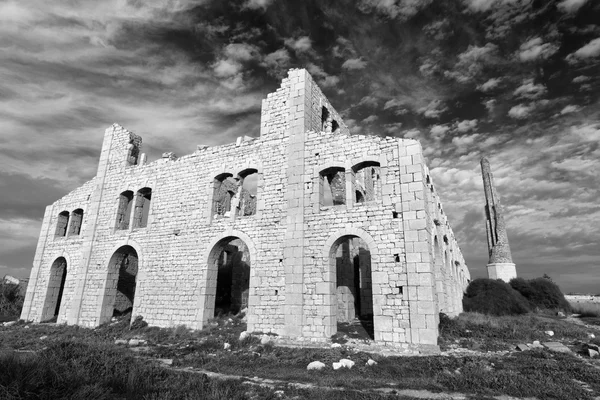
x,y
485,332
586,309
78,370
494,297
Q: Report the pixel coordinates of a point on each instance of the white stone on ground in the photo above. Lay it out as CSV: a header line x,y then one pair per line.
x,y
346,363
371,362
550,333
243,335
337,365
335,345
226,346
121,341
265,339
315,365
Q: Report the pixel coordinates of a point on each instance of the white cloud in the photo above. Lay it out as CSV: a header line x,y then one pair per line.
x,y
472,61
439,131
485,5
520,111
490,84
587,133
576,164
279,59
570,6
354,63
530,90
369,101
394,8
569,109
466,125
590,50
462,142
370,119
535,49
581,79
255,4
301,45
241,51
433,110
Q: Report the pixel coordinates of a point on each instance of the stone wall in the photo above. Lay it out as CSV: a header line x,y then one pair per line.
x,y
386,211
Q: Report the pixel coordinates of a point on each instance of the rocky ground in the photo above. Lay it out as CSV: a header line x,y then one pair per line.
x,y
534,356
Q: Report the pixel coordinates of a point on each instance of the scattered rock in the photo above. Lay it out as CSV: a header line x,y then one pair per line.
x,y
592,353
315,365
591,335
26,327
265,339
166,361
121,341
136,342
593,347
522,347
556,346
371,362
336,345
279,393
226,346
43,337
536,344
243,335
560,314
337,365
550,333
346,363
9,323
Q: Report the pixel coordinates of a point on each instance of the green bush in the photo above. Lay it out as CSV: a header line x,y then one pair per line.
x,y
11,299
541,293
494,297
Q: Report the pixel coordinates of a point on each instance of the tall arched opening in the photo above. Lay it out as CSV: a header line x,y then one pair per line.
x,y
351,258
120,286
56,287
229,277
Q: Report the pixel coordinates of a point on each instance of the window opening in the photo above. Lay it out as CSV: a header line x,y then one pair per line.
x,y
61,223
142,207
367,181
133,153
76,220
225,189
333,186
124,209
248,191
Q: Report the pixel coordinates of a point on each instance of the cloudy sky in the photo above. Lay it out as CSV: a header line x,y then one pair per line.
x,y
516,80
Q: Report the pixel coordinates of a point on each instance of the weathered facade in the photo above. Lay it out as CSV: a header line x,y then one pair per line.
x,y
305,226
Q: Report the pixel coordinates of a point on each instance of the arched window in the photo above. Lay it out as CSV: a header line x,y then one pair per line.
x,y
124,209
76,220
142,207
61,223
248,182
333,186
225,187
367,181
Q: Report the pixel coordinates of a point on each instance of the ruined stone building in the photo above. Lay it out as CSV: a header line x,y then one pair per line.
x,y
306,226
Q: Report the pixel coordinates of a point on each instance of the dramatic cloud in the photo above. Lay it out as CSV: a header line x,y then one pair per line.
x,y
465,77
535,49
489,84
354,63
520,111
571,6
590,50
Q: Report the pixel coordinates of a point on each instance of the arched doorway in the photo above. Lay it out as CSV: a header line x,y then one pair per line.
x,y
351,258
440,285
230,259
56,287
120,287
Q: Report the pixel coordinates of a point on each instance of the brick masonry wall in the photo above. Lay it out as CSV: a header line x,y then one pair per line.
x,y
291,240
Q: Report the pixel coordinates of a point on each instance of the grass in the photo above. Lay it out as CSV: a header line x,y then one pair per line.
x,y
586,309
95,367
489,333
